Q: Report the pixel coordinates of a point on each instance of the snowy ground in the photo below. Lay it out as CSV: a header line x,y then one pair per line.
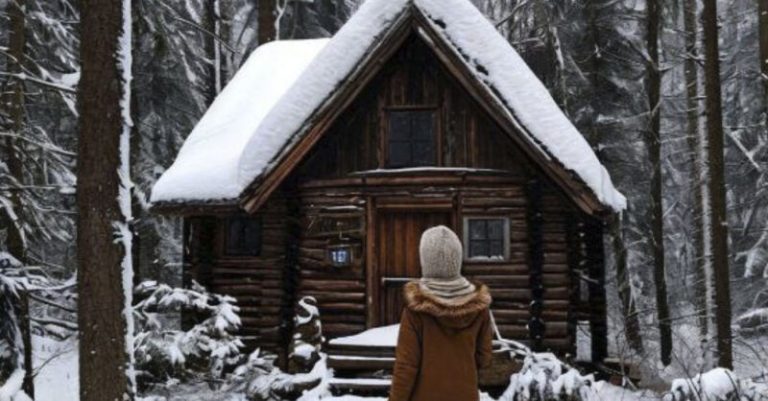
x,y
57,378
56,369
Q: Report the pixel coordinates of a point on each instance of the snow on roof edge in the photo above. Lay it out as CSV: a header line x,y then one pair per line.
x,y
320,81
205,168
473,38
501,59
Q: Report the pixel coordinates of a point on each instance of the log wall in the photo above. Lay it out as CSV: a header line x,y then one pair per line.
x,y
261,284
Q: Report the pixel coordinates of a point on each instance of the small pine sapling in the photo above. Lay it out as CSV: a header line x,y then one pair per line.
x,y
203,352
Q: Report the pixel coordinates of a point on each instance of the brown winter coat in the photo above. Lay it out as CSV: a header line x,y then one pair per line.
x,y
441,345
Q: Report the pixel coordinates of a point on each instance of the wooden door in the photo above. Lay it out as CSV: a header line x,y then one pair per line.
x,y
398,233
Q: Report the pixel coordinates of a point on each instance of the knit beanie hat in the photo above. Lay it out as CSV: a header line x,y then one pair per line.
x,y
441,255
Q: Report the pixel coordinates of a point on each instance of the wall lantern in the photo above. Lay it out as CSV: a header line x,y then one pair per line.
x,y
340,255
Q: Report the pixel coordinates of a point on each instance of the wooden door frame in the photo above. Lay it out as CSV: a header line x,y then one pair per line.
x,y
372,271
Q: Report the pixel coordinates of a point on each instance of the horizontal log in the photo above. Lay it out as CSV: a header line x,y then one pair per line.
x,y
333,272
478,268
513,331
555,329
334,296
331,285
339,329
505,281
343,306
511,294
341,318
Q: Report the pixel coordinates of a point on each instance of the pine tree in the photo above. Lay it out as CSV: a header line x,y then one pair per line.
x,y
690,12
267,30
718,229
653,19
103,200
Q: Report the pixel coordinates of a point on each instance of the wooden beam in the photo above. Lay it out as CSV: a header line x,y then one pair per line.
x,y
536,326
257,193
584,198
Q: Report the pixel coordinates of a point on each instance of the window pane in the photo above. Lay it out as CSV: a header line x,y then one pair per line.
x,y
243,236
496,229
478,248
400,125
477,229
496,248
399,154
416,129
423,154
423,125
252,237
234,235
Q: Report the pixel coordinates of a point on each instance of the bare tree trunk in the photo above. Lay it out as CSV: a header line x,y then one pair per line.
x,y
267,32
697,188
654,154
718,233
624,284
103,316
213,25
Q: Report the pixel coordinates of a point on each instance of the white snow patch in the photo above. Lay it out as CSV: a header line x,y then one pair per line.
x,y
385,336
714,385
12,387
57,369
267,105
122,228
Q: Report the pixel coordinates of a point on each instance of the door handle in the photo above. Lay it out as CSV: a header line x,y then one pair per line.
x,y
387,280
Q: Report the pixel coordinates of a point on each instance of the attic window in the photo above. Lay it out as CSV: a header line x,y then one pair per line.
x,y
411,138
486,238
243,236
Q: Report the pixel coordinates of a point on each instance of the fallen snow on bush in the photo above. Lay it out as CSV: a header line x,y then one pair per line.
x,y
718,384
544,377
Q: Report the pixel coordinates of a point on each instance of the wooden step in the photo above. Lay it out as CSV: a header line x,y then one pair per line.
x,y
359,350
362,386
357,363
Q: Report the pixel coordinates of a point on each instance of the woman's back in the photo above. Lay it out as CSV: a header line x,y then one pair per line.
x,y
441,345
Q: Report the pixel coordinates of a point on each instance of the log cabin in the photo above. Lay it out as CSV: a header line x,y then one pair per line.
x,y
317,168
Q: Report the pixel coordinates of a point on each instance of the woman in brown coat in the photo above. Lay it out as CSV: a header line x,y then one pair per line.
x,y
445,329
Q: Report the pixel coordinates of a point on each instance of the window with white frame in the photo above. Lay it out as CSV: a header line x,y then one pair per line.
x,y
486,238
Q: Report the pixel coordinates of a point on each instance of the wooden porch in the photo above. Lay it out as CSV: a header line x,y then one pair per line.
x,y
363,363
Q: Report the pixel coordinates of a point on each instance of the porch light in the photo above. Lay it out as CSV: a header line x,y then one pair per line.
x,y
340,255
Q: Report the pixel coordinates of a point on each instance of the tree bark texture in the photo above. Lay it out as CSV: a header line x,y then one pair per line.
x,y
719,224
267,9
103,357
654,155
694,143
624,285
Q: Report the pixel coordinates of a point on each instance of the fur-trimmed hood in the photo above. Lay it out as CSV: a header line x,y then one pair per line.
x,y
456,313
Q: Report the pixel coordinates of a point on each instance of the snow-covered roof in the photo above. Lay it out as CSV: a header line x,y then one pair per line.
x,y
268,105
208,164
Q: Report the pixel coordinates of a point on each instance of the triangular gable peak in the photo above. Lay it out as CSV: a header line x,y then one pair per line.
x,y
470,48
414,21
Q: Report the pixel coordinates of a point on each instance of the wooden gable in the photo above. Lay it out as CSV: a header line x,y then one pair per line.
x,y
412,82
410,70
